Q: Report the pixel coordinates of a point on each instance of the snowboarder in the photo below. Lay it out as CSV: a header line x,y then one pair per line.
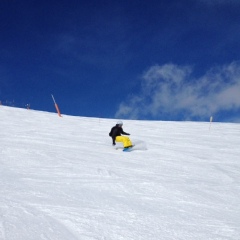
x,y
116,134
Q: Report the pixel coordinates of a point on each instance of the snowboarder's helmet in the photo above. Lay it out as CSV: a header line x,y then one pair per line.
x,y
120,123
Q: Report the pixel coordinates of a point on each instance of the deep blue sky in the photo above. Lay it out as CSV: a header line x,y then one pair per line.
x,y
163,60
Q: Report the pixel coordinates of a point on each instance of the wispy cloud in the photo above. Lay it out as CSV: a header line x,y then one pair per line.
x,y
171,91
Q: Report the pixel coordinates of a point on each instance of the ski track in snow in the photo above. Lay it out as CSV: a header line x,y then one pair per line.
x,y
62,179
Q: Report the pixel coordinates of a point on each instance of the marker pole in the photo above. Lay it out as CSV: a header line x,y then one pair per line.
x,y
56,106
211,119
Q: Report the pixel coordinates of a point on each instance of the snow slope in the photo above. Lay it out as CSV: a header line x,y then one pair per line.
x,y
60,179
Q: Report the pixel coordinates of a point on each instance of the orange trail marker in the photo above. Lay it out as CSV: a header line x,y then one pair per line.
x,y
56,106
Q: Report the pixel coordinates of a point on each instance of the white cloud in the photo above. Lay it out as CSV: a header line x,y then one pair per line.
x,y
171,90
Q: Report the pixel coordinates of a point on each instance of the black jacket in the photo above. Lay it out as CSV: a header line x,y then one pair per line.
x,y
116,131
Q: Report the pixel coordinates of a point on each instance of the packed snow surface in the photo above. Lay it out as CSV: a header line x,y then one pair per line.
x,y
61,179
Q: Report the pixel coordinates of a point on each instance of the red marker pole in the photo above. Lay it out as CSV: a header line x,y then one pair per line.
x,y
56,106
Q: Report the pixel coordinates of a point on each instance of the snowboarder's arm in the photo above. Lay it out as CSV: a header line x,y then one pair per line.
x,y
114,134
124,133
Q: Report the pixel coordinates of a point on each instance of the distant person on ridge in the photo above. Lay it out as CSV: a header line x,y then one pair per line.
x,y
116,134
